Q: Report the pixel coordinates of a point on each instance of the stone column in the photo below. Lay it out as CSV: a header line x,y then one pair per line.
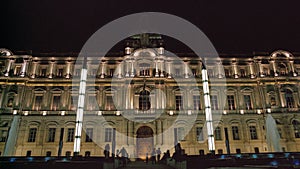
x,y
162,67
186,69
120,70
156,67
261,72
33,69
68,69
169,68
273,65
219,67
10,62
23,68
51,69
235,69
251,69
292,68
103,69
132,68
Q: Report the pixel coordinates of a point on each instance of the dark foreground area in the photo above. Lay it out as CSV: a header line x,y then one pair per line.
x,y
243,161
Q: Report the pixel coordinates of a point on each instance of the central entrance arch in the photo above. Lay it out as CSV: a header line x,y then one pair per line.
x,y
144,141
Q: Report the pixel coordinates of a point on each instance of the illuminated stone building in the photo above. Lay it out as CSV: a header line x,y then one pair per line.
x,y
37,112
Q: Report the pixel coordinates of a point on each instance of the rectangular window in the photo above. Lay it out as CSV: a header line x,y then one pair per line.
x,y
210,73
230,102
70,136
197,105
178,101
38,102
92,103
214,102
110,103
179,134
51,134
177,72
235,133
55,102
111,72
194,72
243,72
74,102
218,135
60,72
89,135
199,133
220,151
32,134
43,72
247,101
227,72
253,133
108,134
3,135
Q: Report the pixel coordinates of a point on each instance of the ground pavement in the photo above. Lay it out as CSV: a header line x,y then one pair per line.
x,y
143,165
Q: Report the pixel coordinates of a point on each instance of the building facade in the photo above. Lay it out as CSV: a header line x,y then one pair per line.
x,y
134,100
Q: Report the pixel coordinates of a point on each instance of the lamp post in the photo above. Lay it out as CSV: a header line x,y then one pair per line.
x,y
208,114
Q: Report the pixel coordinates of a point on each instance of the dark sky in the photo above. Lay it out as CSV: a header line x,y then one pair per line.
x,y
233,26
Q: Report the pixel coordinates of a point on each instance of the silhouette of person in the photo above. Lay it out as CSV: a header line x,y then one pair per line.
x,y
158,153
147,159
106,151
153,157
124,154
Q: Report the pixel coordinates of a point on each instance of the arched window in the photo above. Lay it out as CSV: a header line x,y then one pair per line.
x,y
289,99
296,126
144,100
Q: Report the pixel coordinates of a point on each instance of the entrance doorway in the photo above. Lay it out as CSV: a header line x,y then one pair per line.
x,y
144,142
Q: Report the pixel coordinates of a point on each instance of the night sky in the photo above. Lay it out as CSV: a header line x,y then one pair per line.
x,y
238,26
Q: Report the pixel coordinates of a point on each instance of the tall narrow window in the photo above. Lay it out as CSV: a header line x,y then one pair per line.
x,y
196,100
289,99
38,102
177,72
111,72
272,100
253,133
296,126
10,102
74,102
214,102
55,102
70,136
243,73
230,102
218,135
89,135
247,101
144,100
235,133
92,103
32,134
43,72
108,134
51,134
227,72
60,72
110,103
178,101
199,133
179,134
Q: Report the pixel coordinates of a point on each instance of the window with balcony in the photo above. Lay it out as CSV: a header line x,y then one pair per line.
x,y
290,103
38,102
196,100
110,103
214,102
55,102
247,102
230,102
144,100
178,101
